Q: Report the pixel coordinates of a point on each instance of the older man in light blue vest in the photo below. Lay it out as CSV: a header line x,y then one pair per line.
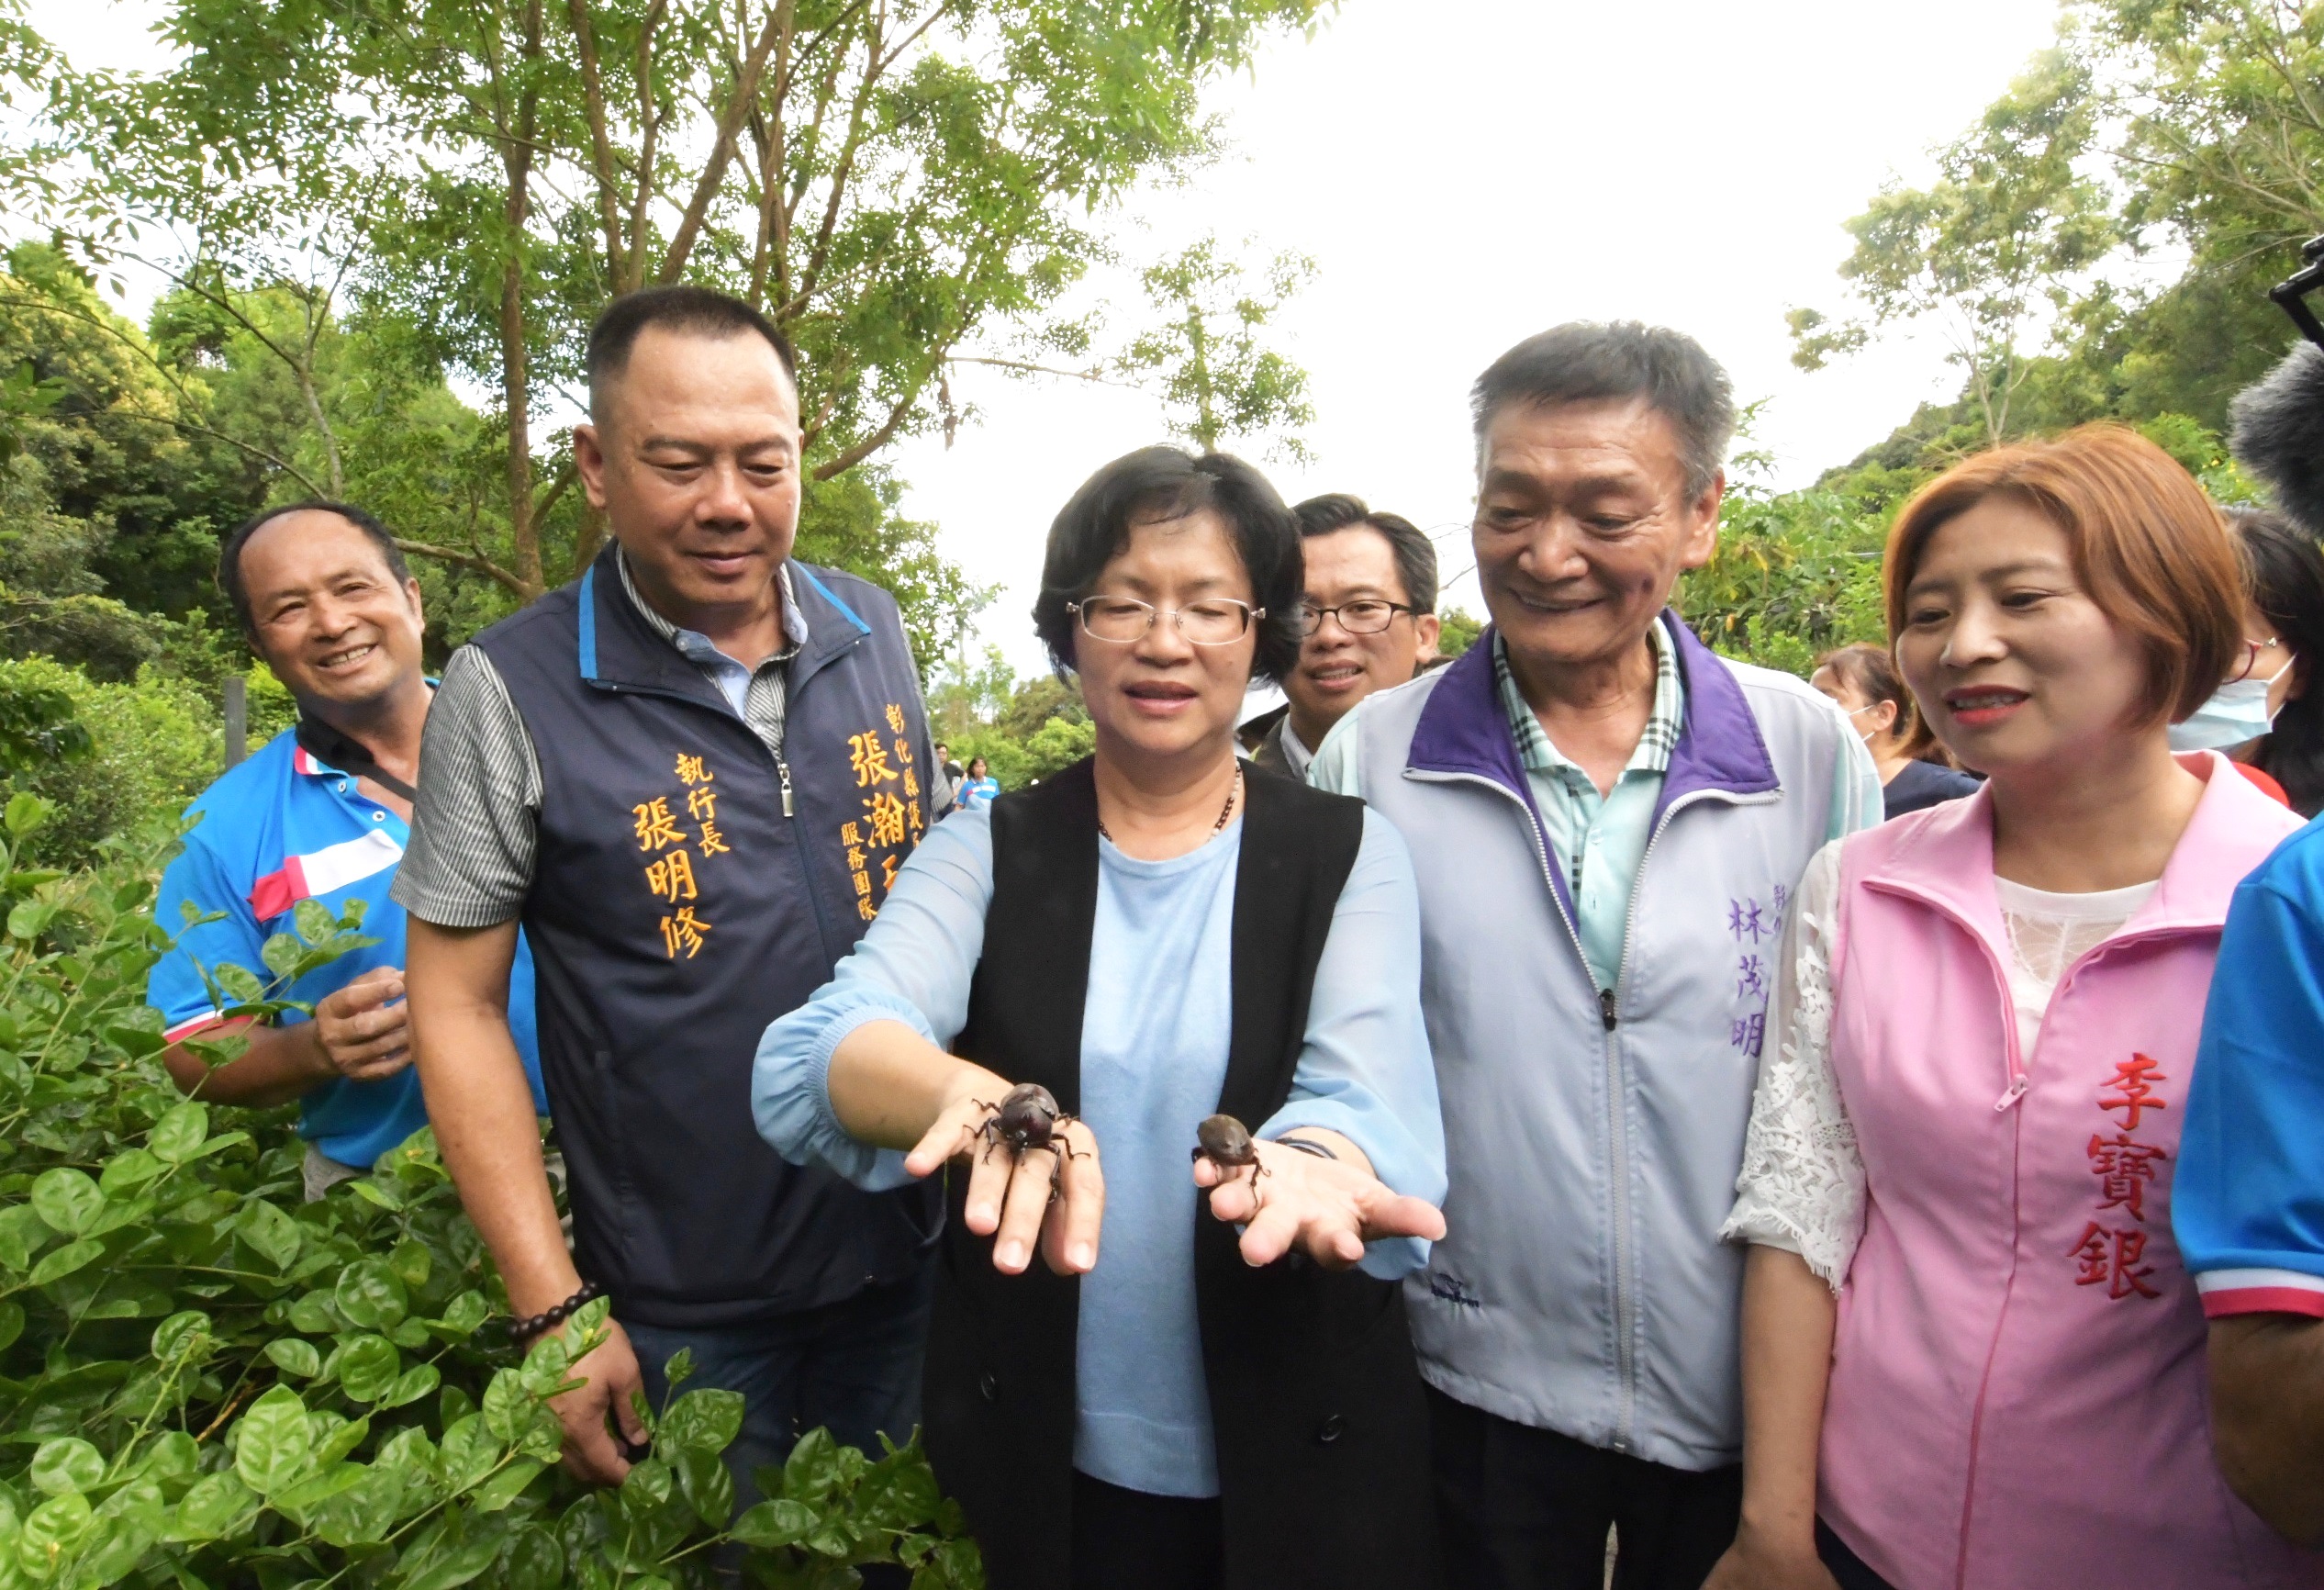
x,y
1608,822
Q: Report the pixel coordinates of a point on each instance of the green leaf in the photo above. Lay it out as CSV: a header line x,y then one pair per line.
x,y
532,1561
67,1200
646,1486
507,1406
65,1261
52,1531
274,1445
506,1485
239,985
812,1469
313,919
22,1231
464,1313
341,1436
312,1314
362,1512
129,1170
135,1042
772,1524
178,1135
411,1262
367,1366
272,1233
218,1505
410,1386
295,1355
707,1485
188,1331
701,1421
449,1566
27,920
26,812
370,1295
280,952
67,1463
11,1322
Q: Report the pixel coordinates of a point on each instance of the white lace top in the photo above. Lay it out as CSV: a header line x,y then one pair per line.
x,y
1802,1186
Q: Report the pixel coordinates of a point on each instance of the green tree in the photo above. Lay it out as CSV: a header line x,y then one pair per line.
x,y
890,182
1993,251
1218,379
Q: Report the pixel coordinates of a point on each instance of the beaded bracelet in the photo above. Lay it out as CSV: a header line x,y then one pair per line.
x,y
523,1330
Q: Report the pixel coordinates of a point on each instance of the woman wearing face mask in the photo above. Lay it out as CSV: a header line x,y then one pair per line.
x,y
1970,1353
1153,937
2264,716
1864,681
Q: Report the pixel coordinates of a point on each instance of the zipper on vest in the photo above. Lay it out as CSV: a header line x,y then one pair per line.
x,y
1606,1011
783,773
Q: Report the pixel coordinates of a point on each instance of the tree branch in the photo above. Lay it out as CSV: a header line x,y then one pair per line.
x,y
743,94
600,140
474,561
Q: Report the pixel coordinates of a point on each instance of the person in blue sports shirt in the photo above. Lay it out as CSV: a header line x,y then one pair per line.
x,y
320,813
2247,1201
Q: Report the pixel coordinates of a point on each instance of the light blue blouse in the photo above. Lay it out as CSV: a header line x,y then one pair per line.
x,y
1155,1028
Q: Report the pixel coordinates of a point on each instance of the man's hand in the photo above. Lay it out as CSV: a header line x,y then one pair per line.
x,y
611,1370
1326,1208
1753,1563
362,1031
1019,1199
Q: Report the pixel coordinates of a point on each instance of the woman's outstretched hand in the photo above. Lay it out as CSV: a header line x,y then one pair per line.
x,y
1326,1208
1039,1195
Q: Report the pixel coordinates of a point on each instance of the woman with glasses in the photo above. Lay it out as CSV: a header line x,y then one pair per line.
x,y
1204,1375
2263,715
1864,681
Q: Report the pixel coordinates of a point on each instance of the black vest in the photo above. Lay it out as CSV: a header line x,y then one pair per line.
x,y
676,908
1322,1432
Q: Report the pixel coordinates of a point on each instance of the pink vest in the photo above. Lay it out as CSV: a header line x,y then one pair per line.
x,y
2017,1394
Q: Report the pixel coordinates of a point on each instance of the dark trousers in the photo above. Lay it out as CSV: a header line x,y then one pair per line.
x,y
1529,1509
852,1368
1131,1540
1846,1566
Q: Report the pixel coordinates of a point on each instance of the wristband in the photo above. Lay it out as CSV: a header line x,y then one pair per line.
x,y
522,1331
1307,1145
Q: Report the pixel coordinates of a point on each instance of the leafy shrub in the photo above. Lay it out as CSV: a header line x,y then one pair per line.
x,y
153,746
205,1381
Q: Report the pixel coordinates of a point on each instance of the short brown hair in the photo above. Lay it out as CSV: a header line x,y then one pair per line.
x,y
2148,546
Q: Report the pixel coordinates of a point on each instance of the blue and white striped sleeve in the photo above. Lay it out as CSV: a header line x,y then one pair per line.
x,y
913,965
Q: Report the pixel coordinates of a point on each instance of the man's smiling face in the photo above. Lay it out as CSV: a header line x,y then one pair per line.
x,y
1337,668
695,460
1584,522
326,613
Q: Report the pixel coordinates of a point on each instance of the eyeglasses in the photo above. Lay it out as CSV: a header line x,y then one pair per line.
x,y
1215,622
2252,650
1366,617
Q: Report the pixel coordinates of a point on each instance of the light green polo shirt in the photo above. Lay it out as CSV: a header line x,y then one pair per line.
x,y
1599,842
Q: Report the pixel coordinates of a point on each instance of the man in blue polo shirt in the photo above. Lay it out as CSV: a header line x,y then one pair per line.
x,y
320,813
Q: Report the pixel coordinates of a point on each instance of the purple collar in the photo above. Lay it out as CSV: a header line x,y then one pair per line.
x,y
1462,728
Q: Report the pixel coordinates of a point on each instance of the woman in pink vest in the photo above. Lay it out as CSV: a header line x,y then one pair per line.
x,y
1971,1359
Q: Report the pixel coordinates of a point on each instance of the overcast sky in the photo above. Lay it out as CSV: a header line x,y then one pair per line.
x,y
1465,172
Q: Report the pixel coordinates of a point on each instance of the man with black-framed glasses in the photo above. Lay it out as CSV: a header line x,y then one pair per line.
x,y
1368,619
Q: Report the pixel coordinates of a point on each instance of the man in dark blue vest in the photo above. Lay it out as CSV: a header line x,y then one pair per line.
x,y
691,775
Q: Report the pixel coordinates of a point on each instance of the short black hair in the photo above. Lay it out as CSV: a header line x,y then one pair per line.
x,y
1170,483
1589,361
229,555
1416,553
2285,572
682,307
